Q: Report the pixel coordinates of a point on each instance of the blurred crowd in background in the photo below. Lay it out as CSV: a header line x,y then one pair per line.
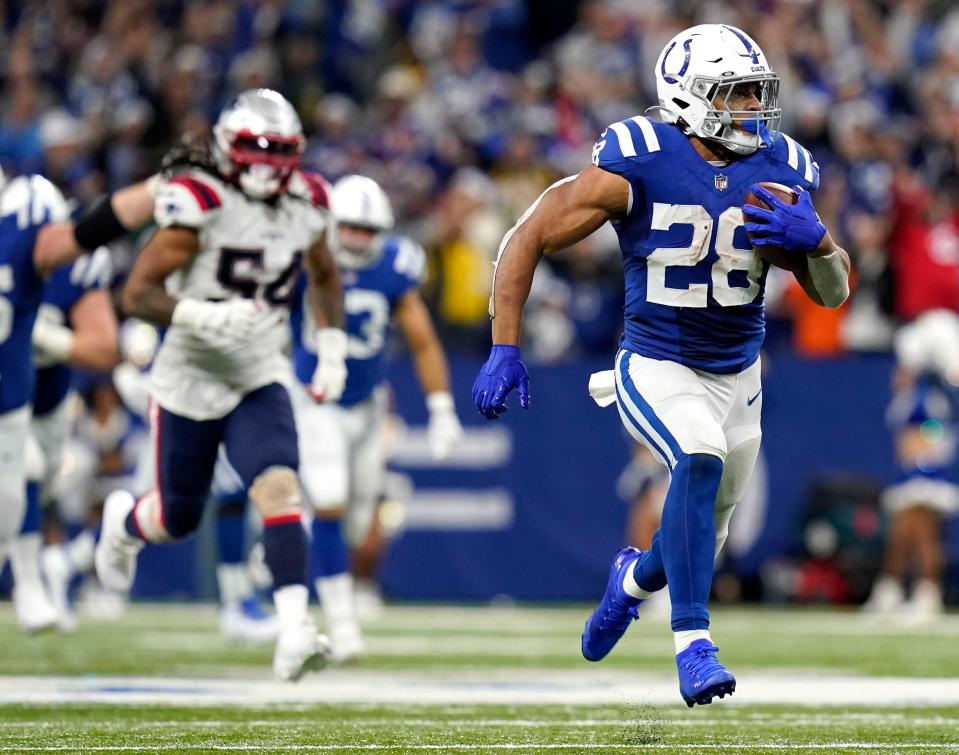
x,y
465,110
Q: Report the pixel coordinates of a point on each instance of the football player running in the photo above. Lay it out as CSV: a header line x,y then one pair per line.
x,y
75,327
127,210
27,204
343,462
219,273
687,375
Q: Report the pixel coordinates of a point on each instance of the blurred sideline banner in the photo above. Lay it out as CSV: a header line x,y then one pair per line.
x,y
820,418
527,508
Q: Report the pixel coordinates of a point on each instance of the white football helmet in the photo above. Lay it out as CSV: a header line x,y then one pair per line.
x,y
359,202
257,142
700,67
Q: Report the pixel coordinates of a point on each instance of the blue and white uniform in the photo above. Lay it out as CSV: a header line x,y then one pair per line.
x,y
687,376
925,409
50,425
26,205
341,454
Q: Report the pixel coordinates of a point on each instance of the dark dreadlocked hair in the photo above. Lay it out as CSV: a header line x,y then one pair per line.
x,y
189,152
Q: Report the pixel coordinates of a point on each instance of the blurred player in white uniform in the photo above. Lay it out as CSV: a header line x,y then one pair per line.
x,y
220,272
242,618
343,460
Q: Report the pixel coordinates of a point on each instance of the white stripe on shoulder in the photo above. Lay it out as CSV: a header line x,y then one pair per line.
x,y
808,158
649,133
626,146
793,153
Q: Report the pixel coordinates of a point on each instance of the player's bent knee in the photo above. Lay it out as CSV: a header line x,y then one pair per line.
x,y
159,526
276,492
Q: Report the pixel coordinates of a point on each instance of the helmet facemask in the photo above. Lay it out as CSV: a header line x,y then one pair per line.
x,y
258,141
356,247
261,164
740,131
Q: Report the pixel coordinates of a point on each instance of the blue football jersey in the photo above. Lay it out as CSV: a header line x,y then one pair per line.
x,y
62,290
26,204
369,297
694,286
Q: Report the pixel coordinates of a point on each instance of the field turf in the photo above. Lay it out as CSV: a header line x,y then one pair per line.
x,y
504,647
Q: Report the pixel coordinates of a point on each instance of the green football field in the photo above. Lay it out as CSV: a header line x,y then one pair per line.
x,y
482,679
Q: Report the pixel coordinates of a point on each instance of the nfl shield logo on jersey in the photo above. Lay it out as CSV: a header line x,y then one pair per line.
x,y
721,182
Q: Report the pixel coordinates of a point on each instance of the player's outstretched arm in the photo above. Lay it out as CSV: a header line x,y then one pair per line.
x,y
89,342
323,284
567,212
797,227
414,320
326,304
112,217
145,295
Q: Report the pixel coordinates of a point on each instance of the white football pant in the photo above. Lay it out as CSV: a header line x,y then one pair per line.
x,y
342,458
14,433
674,410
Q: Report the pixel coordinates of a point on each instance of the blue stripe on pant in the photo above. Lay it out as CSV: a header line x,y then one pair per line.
x,y
646,412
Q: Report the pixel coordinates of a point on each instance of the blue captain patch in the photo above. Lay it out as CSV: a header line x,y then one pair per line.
x,y
694,286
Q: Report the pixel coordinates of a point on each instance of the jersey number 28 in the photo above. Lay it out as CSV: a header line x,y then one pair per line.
x,y
731,258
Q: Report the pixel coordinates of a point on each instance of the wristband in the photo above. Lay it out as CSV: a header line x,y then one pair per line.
x,y
439,401
189,313
54,341
331,343
99,225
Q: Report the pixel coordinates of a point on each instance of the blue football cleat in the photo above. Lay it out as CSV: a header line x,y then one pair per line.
x,y
701,676
615,611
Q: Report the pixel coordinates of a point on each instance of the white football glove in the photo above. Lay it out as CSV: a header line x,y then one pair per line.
x,y
223,322
444,430
329,377
52,342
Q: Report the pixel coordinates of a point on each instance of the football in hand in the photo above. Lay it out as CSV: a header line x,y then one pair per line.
x,y
775,255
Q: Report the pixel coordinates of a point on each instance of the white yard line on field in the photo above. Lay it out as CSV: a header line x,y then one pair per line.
x,y
477,687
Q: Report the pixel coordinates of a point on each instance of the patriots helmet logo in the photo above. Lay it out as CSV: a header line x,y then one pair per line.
x,y
721,182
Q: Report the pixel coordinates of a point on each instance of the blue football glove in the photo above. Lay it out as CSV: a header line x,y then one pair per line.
x,y
502,372
795,227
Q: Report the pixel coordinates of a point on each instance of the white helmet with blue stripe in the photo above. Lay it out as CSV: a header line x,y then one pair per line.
x,y
358,202
696,76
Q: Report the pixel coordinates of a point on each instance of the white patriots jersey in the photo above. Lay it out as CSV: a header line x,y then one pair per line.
x,y
249,249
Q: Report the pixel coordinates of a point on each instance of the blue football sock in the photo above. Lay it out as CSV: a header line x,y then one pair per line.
x,y
284,550
231,532
649,571
329,547
31,517
688,538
